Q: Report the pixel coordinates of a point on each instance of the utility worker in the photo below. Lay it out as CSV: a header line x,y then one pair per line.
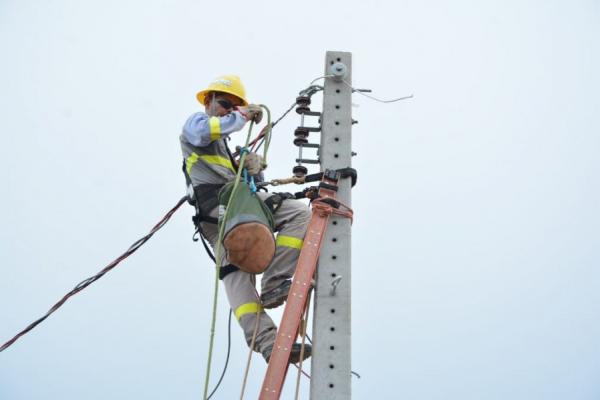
x,y
209,166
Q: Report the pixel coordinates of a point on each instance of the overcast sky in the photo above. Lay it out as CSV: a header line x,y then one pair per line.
x,y
475,242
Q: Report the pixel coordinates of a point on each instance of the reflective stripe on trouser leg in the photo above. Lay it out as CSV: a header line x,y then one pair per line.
x,y
241,292
247,308
239,287
291,219
289,241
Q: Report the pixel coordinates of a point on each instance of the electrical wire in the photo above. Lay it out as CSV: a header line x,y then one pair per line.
x,y
86,282
262,133
373,97
226,358
321,77
309,91
284,114
352,372
251,349
303,323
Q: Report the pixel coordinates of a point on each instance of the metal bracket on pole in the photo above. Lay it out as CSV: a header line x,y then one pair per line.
x,y
331,361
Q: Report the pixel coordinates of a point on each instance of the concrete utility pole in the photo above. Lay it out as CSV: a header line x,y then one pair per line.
x,y
331,360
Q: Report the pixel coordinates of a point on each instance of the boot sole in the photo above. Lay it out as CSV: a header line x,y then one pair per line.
x,y
274,303
277,301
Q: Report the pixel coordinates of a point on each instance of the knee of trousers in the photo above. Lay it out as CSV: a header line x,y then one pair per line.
x,y
303,212
298,216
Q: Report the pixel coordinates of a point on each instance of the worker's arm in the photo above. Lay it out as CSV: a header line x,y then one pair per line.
x,y
200,129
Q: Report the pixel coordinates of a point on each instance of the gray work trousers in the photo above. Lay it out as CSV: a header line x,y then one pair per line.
x,y
291,221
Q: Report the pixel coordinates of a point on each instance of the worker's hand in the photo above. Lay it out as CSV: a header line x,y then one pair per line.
x,y
253,112
254,163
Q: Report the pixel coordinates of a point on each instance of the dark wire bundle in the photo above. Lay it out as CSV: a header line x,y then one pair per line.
x,y
87,282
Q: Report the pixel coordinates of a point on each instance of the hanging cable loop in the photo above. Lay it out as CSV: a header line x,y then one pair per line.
x,y
86,282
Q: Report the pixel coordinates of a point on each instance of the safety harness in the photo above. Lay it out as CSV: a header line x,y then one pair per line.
x,y
205,197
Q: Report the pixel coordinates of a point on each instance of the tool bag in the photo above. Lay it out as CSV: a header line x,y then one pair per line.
x,y
248,239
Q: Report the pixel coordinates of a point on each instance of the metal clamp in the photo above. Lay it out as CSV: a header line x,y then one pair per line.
x,y
334,284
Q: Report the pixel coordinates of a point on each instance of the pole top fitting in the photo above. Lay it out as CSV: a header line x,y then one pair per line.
x,y
338,71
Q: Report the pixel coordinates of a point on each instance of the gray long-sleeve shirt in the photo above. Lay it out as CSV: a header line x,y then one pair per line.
x,y
204,149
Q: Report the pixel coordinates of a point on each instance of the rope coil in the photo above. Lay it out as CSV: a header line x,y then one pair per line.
x,y
219,250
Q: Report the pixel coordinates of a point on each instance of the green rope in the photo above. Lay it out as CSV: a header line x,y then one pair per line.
x,y
219,251
268,130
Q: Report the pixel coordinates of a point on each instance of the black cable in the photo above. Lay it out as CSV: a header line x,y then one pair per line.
x,y
226,359
261,135
309,91
86,282
262,140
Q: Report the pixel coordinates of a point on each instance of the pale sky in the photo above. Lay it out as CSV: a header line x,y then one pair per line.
x,y
475,242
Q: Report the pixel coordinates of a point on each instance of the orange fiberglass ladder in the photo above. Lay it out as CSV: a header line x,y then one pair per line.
x,y
322,207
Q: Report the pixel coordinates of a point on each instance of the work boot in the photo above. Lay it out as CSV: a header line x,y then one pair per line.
x,y
294,354
277,296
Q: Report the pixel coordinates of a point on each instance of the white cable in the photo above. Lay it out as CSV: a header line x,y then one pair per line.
x,y
321,77
375,98
362,93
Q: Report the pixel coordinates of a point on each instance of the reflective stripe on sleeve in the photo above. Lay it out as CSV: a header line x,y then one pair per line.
x,y
248,308
215,128
289,241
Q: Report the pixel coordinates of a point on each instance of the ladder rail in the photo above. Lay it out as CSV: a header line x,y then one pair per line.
x,y
297,297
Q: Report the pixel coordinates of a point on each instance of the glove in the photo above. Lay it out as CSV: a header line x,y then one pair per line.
x,y
253,112
254,163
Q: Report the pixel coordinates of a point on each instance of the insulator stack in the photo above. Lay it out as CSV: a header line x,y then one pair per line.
x,y
301,133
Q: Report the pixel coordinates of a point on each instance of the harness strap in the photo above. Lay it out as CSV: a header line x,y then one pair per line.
x,y
226,270
274,201
344,173
207,198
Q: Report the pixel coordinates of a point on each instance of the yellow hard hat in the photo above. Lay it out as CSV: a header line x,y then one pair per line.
x,y
228,84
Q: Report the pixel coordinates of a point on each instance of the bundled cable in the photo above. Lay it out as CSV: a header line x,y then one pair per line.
x,y
87,282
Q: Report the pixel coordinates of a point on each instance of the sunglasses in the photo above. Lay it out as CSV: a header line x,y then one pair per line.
x,y
226,104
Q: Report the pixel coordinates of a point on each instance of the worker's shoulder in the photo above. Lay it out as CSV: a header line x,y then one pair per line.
x,y
197,115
